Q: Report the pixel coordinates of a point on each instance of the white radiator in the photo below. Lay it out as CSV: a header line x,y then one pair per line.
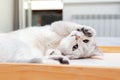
x,y
105,25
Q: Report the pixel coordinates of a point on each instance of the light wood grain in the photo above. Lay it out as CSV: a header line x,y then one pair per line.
x,y
60,72
110,49
57,72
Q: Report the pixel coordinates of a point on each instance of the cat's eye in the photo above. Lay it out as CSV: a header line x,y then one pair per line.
x,y
86,41
75,47
78,30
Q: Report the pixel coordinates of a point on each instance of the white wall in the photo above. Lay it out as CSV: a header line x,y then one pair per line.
x,y
6,15
104,27
89,8
89,1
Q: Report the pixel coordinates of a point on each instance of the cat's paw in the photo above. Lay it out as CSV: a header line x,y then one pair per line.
x,y
64,60
88,31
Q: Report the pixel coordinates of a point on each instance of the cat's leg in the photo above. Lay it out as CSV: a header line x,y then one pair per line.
x,y
35,55
64,28
38,56
56,54
44,60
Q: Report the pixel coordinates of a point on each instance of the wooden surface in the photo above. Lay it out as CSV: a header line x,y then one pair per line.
x,y
60,72
110,49
54,72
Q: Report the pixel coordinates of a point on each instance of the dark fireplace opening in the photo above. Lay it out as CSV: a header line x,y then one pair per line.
x,y
45,17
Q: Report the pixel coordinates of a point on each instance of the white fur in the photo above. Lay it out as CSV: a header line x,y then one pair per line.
x,y
85,50
36,43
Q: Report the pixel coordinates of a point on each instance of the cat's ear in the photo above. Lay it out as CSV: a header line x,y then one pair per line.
x,y
98,54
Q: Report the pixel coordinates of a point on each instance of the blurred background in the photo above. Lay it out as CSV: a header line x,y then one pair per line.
x,y
102,15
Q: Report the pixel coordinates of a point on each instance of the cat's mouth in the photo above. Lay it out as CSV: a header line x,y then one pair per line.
x,y
75,47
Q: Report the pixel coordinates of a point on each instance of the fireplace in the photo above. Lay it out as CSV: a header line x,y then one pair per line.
x,y
45,17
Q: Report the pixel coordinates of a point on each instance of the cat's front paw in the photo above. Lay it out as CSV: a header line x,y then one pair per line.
x,y
88,31
64,60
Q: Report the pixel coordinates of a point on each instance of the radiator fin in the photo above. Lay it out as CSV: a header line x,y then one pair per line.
x,y
105,25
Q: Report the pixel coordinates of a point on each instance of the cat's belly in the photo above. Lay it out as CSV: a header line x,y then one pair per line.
x,y
42,38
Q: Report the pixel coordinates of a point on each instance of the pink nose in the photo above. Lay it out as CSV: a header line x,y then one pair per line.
x,y
77,37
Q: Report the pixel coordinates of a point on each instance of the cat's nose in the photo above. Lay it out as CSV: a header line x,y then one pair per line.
x,y
77,37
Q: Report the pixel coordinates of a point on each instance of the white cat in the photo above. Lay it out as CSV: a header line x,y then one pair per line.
x,y
53,44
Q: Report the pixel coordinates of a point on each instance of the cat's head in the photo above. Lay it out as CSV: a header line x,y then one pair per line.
x,y
79,44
